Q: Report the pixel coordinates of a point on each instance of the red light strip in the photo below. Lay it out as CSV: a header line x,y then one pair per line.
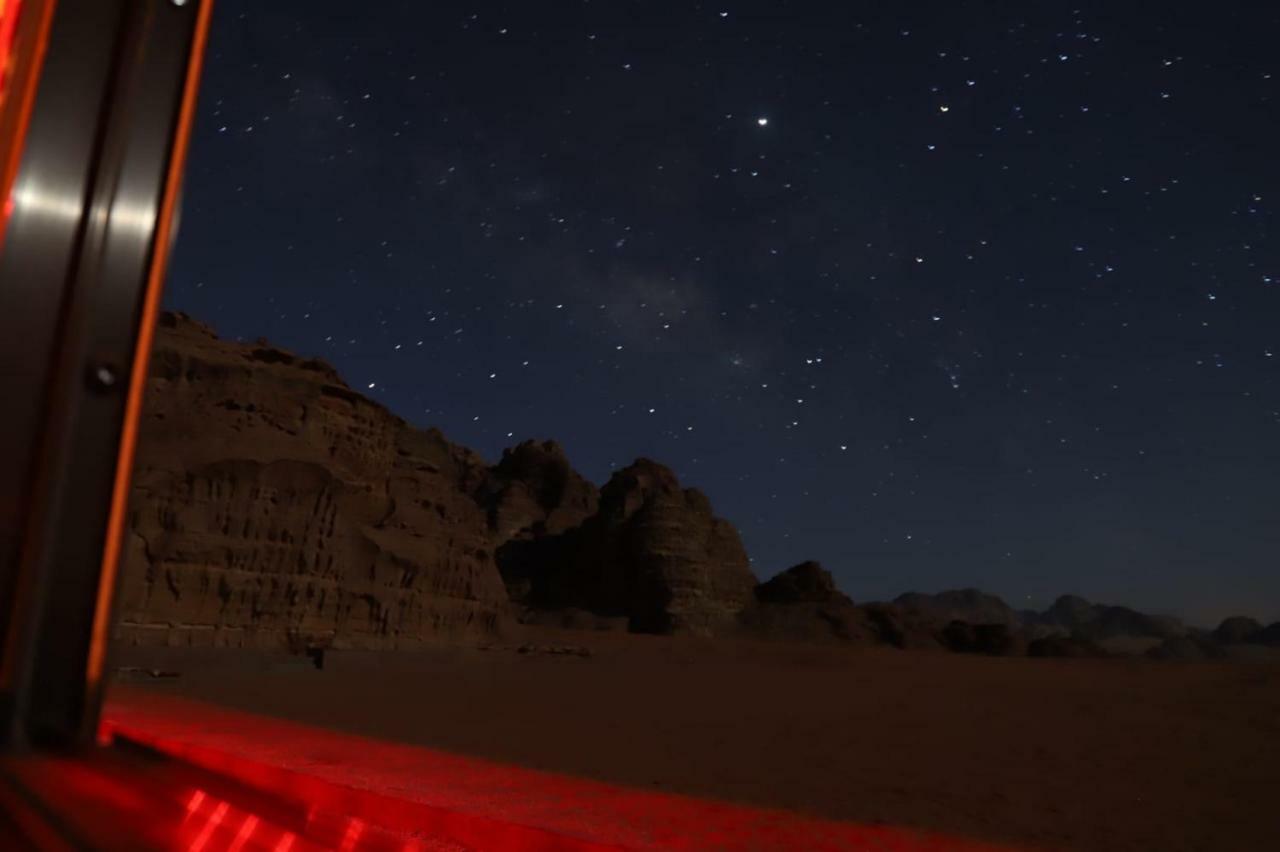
x,y
246,831
9,10
215,819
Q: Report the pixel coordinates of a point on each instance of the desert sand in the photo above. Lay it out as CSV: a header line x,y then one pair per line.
x,y
1072,754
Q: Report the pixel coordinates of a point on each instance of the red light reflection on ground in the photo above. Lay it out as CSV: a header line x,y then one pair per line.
x,y
456,802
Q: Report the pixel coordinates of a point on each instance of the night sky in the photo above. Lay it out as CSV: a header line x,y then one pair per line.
x,y
941,294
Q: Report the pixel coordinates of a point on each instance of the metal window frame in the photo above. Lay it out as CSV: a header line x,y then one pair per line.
x,y
81,273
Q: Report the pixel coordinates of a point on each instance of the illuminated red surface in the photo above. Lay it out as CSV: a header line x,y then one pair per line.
x,y
448,801
8,25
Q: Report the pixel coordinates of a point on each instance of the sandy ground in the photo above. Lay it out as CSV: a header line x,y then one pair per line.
x,y
1051,754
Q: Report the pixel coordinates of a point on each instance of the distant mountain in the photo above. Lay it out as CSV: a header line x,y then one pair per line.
x,y
968,605
1098,622
1239,630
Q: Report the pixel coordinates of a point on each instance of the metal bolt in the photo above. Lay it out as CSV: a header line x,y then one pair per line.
x,y
103,377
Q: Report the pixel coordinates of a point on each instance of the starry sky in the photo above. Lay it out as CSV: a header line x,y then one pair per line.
x,y
941,294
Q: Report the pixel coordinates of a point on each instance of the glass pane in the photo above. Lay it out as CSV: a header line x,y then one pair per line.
x,y
518,354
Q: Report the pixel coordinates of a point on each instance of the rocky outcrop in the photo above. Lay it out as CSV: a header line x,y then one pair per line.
x,y
534,491
1238,630
803,604
532,497
273,505
654,552
968,605
807,582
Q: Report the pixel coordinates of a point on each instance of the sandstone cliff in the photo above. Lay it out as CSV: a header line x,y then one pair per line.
x,y
273,505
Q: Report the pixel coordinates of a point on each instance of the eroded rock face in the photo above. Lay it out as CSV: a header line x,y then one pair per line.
x,y
654,553
534,491
274,505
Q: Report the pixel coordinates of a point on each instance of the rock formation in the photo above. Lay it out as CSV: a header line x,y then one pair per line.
x,y
1237,630
803,604
273,505
654,552
807,582
534,491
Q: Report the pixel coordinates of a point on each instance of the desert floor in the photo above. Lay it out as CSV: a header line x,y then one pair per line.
x,y
1051,754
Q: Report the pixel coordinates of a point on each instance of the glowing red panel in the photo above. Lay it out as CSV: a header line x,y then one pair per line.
x,y
472,803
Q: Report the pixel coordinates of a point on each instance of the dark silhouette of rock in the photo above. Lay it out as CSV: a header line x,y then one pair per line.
x,y
991,639
534,491
1098,622
807,582
1188,647
1237,630
1270,635
1064,646
803,604
532,496
969,605
654,552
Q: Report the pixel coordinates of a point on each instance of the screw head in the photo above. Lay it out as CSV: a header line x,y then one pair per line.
x,y
103,377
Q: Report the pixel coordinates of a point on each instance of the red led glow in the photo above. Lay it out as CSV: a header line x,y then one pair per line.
x,y
215,819
353,783
9,10
246,831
